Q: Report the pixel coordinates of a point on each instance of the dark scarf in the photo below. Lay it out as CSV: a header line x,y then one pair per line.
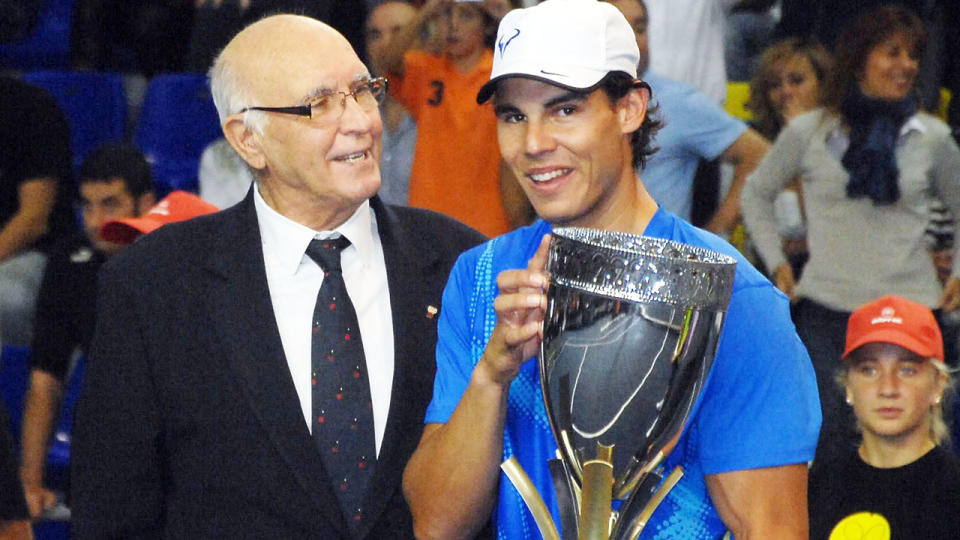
x,y
870,159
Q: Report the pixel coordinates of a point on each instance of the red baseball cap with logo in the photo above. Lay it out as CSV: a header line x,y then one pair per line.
x,y
896,320
177,206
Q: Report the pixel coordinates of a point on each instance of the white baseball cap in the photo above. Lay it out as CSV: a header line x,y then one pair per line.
x,y
570,43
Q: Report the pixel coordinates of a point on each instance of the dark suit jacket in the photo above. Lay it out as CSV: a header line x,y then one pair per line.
x,y
188,424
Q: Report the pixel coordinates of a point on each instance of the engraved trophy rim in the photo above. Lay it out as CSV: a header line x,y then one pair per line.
x,y
707,268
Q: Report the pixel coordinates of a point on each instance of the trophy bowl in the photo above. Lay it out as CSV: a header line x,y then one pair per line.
x,y
629,334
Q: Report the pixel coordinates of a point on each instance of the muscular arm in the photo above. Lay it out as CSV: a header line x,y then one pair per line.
x,y
450,481
744,154
762,503
40,415
36,197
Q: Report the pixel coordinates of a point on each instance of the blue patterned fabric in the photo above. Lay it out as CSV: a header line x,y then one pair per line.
x,y
759,407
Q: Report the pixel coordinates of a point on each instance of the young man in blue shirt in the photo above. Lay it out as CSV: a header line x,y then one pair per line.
x,y
572,125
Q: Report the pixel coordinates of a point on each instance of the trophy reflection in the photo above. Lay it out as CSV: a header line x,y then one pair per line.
x,y
629,336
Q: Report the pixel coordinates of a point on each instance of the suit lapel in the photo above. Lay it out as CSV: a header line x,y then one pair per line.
x,y
245,324
409,269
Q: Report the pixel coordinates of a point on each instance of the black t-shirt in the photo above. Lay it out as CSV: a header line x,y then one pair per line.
x,y
66,305
920,500
34,143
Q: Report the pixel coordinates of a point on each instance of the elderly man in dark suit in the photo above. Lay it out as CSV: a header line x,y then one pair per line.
x,y
263,372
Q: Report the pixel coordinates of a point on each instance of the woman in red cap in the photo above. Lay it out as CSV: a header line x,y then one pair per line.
x,y
900,482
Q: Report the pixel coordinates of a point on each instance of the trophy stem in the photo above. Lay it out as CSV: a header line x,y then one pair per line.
x,y
541,515
638,523
597,494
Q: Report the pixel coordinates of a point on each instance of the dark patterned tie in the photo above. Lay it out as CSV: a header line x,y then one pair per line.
x,y
342,410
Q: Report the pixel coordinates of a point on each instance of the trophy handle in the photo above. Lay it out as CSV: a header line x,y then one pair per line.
x,y
635,525
541,515
568,497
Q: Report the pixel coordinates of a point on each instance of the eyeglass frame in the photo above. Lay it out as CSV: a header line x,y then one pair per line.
x,y
307,110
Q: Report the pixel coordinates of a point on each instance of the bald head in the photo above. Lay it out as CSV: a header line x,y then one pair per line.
x,y
263,63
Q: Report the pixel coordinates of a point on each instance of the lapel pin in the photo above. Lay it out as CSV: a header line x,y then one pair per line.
x,y
431,312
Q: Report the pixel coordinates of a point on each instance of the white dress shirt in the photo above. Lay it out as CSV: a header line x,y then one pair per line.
x,y
294,280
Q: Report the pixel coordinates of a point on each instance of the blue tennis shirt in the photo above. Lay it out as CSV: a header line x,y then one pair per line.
x,y
759,407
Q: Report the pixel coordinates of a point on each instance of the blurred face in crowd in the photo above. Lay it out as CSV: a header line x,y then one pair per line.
x,y
464,29
636,15
890,70
383,24
317,170
794,87
893,390
568,149
103,200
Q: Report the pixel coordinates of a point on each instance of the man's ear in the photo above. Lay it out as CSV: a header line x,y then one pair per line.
x,y
245,141
632,109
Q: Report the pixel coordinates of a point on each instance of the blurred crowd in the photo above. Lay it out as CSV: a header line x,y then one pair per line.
x,y
821,142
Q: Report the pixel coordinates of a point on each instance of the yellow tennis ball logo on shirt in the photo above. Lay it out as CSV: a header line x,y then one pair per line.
x,y
861,526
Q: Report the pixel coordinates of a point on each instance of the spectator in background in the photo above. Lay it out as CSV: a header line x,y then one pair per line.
x,y
786,84
694,128
823,21
384,24
457,168
901,481
115,182
688,43
35,195
870,164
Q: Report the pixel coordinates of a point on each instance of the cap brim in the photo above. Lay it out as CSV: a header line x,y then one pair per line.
x,y
894,337
125,231
490,87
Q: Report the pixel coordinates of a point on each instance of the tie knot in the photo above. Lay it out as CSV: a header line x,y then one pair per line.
x,y
326,252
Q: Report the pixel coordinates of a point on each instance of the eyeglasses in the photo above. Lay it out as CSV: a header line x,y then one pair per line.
x,y
327,108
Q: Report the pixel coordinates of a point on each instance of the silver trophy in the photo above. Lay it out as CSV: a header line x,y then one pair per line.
x,y
629,336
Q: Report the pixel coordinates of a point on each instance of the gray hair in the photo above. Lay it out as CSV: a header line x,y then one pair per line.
x,y
231,96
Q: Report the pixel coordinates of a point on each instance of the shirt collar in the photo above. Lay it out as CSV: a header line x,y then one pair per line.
x,y
912,124
287,240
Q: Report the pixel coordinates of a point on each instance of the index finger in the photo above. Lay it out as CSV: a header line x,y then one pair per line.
x,y
538,263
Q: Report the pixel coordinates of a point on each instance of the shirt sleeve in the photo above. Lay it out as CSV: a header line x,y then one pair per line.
x,y
761,406
54,336
780,165
710,130
454,356
946,180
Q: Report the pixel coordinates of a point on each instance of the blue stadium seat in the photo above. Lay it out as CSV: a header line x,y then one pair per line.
x,y
94,103
177,121
14,377
49,46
